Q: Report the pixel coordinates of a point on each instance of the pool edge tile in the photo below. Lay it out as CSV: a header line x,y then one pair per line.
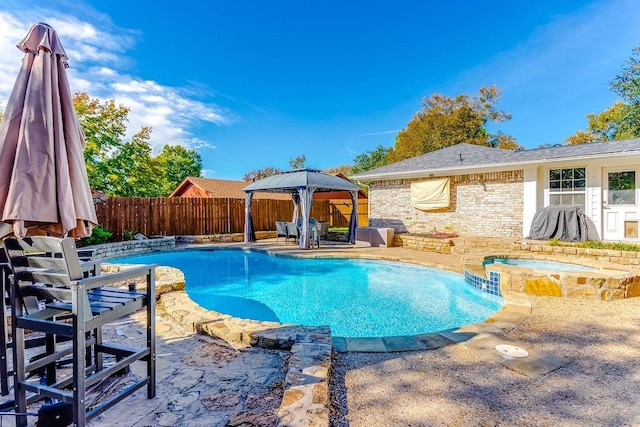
x,y
456,335
434,341
404,343
366,345
339,344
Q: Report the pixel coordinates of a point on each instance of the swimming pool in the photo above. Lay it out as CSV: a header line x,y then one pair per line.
x,y
357,298
540,264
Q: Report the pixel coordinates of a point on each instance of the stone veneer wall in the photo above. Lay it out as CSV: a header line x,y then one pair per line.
x,y
223,238
537,249
486,204
132,247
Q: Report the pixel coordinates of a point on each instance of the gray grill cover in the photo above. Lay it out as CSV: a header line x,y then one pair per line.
x,y
566,223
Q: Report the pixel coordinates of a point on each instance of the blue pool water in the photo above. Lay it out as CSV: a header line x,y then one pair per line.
x,y
544,265
357,298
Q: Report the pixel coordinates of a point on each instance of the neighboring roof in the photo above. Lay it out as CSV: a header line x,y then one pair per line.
x,y
221,188
464,157
98,196
289,182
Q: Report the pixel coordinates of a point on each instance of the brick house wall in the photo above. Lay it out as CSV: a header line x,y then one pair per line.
x,y
485,204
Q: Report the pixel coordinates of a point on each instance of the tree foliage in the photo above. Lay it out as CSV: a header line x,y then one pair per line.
x,y
297,162
606,126
445,121
127,168
343,169
177,163
622,119
370,160
627,85
261,173
503,141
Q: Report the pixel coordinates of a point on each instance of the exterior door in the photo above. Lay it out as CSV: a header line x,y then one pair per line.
x,y
620,204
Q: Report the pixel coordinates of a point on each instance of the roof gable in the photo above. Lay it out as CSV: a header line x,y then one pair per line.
x,y
221,188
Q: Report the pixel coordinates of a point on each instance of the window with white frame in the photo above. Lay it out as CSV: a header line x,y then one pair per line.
x,y
567,187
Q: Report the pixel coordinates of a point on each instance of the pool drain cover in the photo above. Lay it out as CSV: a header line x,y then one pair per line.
x,y
511,350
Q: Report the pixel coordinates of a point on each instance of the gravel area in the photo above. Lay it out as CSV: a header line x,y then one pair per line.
x,y
452,386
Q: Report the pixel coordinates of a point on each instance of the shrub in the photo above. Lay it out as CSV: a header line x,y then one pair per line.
x,y
596,244
128,234
617,246
98,235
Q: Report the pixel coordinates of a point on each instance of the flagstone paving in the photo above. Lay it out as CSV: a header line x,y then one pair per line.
x,y
201,381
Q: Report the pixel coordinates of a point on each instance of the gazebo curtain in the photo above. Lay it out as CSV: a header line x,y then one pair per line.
x,y
249,233
353,221
296,201
306,197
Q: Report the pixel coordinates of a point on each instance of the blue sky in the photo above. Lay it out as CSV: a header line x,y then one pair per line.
x,y
250,84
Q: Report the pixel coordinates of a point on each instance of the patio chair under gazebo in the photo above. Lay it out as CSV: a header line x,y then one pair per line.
x,y
301,184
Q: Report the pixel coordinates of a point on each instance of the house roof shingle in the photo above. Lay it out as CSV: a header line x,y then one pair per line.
x,y
464,157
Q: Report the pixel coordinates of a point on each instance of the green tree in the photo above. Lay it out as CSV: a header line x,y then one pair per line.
x,y
297,162
127,168
261,173
177,163
503,141
622,119
445,121
343,169
104,127
370,160
606,126
627,85
132,170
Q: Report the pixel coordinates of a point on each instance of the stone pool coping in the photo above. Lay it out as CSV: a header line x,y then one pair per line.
x,y
306,399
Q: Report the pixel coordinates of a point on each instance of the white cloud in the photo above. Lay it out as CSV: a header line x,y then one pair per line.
x,y
208,173
384,132
98,64
363,142
10,56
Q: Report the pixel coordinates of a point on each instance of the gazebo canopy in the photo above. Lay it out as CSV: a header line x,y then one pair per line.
x,y
301,184
290,182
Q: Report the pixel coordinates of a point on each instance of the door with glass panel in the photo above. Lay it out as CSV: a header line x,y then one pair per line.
x,y
620,204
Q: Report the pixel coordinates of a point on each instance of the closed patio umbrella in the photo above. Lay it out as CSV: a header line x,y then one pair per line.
x,y
43,178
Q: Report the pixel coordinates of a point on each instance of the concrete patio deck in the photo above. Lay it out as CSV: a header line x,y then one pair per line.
x,y
459,379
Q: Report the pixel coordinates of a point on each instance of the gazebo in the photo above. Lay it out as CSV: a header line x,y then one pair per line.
x,y
301,184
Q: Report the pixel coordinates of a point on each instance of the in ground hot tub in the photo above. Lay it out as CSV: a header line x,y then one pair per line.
x,y
564,277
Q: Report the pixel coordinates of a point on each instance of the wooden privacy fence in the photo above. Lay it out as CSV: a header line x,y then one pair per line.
x,y
341,212
167,216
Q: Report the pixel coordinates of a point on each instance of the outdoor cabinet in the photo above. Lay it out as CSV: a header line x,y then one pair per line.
x,y
374,236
